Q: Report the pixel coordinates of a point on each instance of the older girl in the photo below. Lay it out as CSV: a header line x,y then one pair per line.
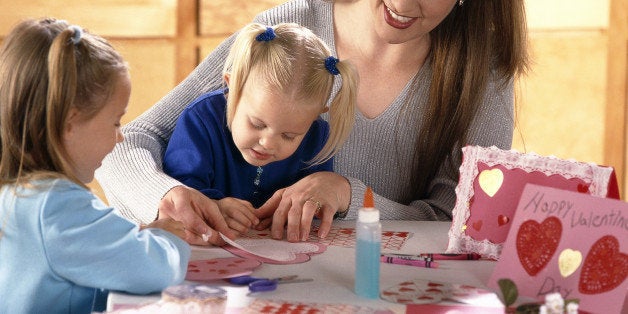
x,y
63,92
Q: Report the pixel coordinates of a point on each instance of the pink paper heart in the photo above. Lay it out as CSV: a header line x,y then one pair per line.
x,y
274,251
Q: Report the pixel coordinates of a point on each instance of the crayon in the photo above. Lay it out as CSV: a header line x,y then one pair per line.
x,y
438,256
398,260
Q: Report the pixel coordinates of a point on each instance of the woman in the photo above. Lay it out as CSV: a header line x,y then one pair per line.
x,y
434,76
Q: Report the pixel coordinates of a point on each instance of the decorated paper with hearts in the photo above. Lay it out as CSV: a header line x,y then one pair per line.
x,y
491,181
344,237
567,242
283,307
421,291
220,268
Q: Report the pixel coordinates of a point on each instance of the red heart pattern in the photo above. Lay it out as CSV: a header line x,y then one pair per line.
x,y
220,268
604,268
502,220
477,225
536,243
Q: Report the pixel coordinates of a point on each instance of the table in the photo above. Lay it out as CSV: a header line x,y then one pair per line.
x,y
333,271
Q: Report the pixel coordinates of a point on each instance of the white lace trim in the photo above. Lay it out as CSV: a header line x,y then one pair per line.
x,y
596,176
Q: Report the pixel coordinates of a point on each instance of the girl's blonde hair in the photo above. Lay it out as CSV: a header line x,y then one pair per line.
x,y
294,60
48,67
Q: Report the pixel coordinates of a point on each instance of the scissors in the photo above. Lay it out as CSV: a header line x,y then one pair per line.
x,y
265,284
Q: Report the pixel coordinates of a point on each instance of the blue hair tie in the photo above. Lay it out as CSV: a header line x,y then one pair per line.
x,y
78,33
330,65
267,35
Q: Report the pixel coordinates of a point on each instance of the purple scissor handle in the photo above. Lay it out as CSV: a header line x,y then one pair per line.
x,y
265,284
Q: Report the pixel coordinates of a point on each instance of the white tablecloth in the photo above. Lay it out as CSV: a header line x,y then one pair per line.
x,y
333,271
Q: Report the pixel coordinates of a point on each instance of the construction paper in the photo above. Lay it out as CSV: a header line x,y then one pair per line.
x,y
567,242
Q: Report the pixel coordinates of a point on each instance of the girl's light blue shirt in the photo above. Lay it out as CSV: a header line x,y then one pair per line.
x,y
60,244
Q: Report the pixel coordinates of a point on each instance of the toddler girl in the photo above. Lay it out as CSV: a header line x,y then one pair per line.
x,y
263,133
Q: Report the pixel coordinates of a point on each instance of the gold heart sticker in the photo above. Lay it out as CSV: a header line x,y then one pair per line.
x,y
490,181
568,261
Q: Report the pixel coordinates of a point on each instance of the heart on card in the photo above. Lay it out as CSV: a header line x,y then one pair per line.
x,y
477,225
568,261
490,181
583,188
537,242
502,220
604,268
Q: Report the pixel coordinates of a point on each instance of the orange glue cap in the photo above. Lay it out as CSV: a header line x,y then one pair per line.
x,y
368,198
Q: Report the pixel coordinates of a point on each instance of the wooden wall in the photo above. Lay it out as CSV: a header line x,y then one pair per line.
x,y
571,105
573,102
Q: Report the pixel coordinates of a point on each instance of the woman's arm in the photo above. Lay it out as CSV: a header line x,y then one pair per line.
x,y
132,175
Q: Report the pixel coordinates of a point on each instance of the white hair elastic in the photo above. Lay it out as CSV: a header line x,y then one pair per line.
x,y
78,33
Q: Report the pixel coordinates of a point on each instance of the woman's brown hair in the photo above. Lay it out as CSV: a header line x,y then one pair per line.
x,y
478,41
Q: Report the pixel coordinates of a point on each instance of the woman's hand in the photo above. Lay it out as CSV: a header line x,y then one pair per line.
x,y
320,194
239,214
198,213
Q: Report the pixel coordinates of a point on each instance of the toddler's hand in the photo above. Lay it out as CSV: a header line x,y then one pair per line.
x,y
173,226
239,214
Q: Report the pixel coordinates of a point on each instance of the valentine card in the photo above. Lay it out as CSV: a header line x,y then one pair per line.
x,y
491,181
567,242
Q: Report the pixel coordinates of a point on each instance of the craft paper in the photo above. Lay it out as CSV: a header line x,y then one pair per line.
x,y
220,268
283,307
420,291
491,181
567,242
273,251
344,237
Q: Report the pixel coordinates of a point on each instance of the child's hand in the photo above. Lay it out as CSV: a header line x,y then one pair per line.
x,y
239,214
173,226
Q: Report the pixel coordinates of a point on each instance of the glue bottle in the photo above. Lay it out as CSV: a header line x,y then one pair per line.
x,y
367,250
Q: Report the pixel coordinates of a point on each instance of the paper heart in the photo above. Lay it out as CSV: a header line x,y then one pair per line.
x,y
568,261
273,251
220,268
490,181
477,225
604,268
502,220
536,243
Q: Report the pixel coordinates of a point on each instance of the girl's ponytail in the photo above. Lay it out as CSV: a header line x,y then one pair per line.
x,y
62,89
341,112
